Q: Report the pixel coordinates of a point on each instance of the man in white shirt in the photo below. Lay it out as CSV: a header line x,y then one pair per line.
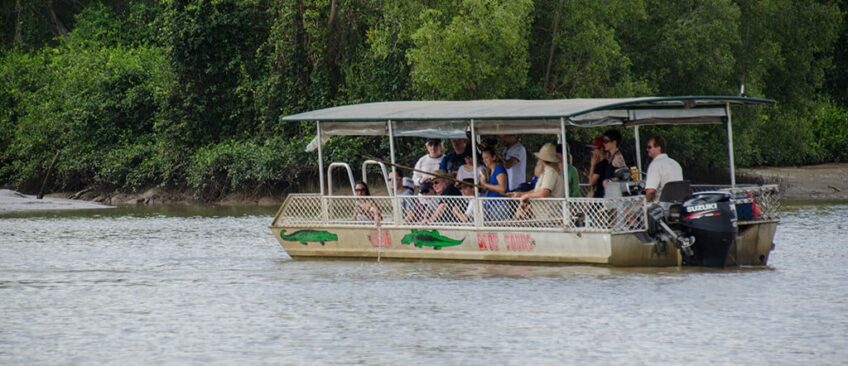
x,y
428,163
515,160
662,170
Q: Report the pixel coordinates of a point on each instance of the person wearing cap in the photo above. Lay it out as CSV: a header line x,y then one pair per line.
x,y
456,158
429,162
662,169
597,168
404,187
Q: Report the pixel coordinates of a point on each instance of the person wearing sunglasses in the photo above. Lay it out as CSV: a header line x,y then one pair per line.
x,y
443,187
662,170
615,160
597,168
366,209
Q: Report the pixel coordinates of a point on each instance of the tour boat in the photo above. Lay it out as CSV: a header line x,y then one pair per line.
x,y
703,225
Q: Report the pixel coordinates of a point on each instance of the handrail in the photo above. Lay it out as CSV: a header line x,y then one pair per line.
x,y
330,177
382,169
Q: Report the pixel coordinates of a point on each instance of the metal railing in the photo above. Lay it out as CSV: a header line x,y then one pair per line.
x,y
763,201
613,215
619,215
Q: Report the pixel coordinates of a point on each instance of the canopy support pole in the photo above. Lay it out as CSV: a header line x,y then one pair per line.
x,y
566,213
638,149
324,213
478,209
393,190
320,159
564,155
730,146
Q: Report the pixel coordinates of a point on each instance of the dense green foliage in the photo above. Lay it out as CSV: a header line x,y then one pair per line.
x,y
189,93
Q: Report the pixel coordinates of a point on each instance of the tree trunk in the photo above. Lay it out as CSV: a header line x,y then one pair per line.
x,y
19,25
59,29
553,45
334,46
332,15
300,38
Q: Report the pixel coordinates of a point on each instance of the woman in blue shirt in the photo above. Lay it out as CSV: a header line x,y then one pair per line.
x,y
496,185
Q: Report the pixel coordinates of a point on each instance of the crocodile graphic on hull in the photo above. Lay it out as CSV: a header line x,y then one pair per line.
x,y
306,236
429,238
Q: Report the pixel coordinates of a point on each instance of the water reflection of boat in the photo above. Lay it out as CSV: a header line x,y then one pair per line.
x,y
730,224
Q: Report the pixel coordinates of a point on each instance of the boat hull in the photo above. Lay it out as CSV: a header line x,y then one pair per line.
x,y
624,249
470,245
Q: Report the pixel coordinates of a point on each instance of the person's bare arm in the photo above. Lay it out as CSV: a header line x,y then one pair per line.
x,y
544,192
378,216
510,162
436,213
650,194
500,187
460,214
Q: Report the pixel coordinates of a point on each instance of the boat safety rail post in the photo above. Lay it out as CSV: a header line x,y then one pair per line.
x,y
730,146
566,214
393,191
638,149
321,171
478,208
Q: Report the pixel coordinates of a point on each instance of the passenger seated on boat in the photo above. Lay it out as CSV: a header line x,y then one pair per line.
x,y
429,162
423,205
550,183
403,185
443,187
496,184
529,185
662,169
467,171
365,209
405,188
573,185
467,190
495,180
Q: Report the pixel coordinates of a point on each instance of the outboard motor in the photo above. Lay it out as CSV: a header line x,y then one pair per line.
x,y
710,219
701,225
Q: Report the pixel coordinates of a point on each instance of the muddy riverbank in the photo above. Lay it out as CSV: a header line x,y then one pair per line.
x,y
813,182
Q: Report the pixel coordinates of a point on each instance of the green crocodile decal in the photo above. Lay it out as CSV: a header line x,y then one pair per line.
x,y
429,238
305,236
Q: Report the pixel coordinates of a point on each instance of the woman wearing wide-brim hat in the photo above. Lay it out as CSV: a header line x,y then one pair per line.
x,y
550,183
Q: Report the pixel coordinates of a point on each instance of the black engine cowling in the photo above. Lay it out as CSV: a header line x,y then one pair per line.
x,y
710,217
